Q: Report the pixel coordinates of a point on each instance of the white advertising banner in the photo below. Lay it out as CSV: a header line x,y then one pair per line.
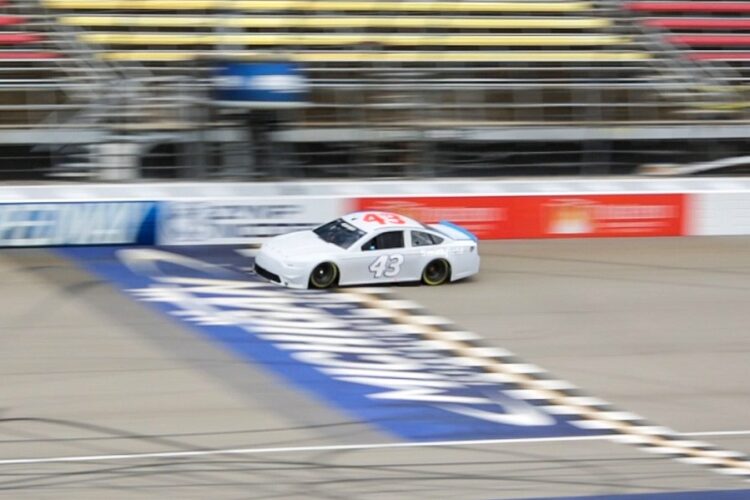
x,y
241,221
720,213
62,224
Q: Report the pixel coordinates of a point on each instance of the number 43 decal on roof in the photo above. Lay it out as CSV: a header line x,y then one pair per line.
x,y
387,265
384,219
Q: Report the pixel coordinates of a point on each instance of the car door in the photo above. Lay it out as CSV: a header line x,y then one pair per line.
x,y
382,259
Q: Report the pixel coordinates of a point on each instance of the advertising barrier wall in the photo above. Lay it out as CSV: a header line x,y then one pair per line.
x,y
248,213
57,224
720,213
241,221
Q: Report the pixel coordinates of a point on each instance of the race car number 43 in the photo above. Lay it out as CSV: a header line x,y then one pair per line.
x,y
369,247
387,265
384,219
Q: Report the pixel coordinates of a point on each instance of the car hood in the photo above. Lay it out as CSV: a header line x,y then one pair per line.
x,y
298,245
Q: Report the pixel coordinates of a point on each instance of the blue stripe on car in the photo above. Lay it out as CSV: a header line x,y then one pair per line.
x,y
460,229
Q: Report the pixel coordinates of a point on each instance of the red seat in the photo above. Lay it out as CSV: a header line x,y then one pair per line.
x,y
707,23
719,56
711,40
11,20
689,6
27,55
18,38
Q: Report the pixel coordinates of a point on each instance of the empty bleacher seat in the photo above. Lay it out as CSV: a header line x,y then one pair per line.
x,y
14,40
706,40
19,38
17,41
302,28
720,26
28,70
700,23
338,40
726,56
495,47
683,7
27,55
321,6
395,57
328,22
6,20
705,34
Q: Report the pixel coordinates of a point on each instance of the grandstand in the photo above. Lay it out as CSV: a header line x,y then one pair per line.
x,y
398,87
715,34
23,72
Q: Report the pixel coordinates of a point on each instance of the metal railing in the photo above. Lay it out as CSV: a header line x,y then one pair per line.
x,y
158,119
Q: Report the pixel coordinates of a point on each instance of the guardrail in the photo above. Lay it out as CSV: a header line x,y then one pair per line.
x,y
245,213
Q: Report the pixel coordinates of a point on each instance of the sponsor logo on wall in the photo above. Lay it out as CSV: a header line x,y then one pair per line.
x,y
240,221
615,215
570,216
99,223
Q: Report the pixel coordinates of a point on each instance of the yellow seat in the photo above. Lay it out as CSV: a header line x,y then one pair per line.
x,y
354,39
399,57
334,22
319,6
132,4
716,106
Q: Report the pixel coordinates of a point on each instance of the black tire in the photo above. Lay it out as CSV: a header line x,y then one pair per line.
x,y
436,272
325,275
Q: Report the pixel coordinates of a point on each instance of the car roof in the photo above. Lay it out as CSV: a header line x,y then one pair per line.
x,y
372,220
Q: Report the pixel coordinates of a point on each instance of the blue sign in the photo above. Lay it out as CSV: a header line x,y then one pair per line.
x,y
354,358
61,224
282,83
681,495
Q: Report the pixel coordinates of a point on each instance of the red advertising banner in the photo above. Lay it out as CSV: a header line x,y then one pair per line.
x,y
485,216
564,216
611,215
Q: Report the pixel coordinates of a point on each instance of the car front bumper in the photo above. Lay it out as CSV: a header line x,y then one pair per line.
x,y
273,269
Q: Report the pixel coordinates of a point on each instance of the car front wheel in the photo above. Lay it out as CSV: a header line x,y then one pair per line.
x,y
324,275
436,272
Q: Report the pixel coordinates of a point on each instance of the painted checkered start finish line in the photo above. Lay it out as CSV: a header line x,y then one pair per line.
x,y
379,358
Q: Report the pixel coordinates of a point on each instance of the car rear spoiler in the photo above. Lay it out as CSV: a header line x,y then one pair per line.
x,y
454,231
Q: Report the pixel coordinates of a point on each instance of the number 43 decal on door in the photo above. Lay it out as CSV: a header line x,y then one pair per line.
x,y
387,265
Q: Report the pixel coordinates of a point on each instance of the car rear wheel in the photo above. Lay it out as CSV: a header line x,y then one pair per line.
x,y
436,272
324,275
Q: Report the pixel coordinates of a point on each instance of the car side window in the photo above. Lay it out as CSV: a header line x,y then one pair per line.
x,y
384,241
422,239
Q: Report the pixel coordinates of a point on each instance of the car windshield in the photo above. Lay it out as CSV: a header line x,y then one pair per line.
x,y
339,232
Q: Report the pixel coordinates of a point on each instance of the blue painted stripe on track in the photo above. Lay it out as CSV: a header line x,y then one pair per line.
x,y
407,418
682,495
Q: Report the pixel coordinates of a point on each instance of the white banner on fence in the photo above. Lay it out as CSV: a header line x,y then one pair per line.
x,y
241,221
720,213
55,224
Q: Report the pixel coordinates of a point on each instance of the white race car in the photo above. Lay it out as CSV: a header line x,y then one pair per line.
x,y
369,247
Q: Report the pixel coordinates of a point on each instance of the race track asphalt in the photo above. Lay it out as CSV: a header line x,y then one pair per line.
x,y
656,326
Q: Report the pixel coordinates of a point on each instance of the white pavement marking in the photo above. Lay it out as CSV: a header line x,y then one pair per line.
x,y
592,413
322,448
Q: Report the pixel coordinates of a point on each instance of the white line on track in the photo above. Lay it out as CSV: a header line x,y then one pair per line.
x,y
342,447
